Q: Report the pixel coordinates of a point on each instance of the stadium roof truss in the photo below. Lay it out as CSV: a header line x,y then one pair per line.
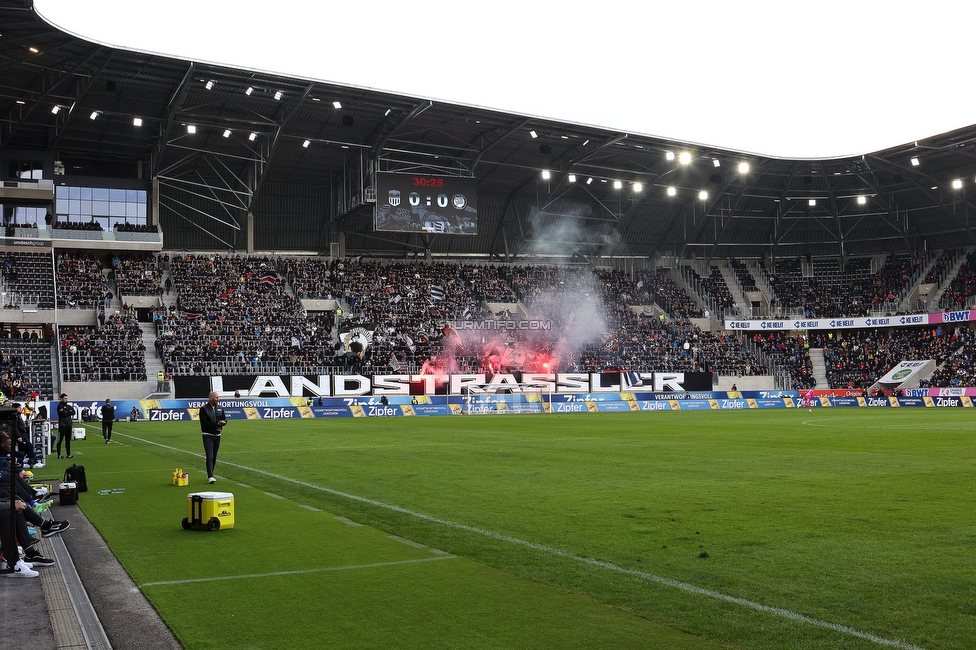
x,y
301,155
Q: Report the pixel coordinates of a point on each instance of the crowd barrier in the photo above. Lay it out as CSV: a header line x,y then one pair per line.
x,y
427,405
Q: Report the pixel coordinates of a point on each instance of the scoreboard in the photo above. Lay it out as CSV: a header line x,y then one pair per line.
x,y
423,203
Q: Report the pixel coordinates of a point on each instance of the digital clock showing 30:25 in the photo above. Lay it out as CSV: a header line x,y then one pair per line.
x,y
426,181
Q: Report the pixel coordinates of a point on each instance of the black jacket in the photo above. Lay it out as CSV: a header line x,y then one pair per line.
x,y
209,416
66,413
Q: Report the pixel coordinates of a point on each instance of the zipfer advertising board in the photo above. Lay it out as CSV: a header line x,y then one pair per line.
x,y
371,406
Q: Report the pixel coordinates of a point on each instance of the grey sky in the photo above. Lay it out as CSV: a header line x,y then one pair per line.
x,y
791,79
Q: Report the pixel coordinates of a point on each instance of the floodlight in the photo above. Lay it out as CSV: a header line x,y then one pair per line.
x,y
572,178
93,115
811,202
669,155
306,143
743,168
55,109
253,136
672,190
638,187
956,184
589,180
861,200
617,185
136,121
249,90
226,133
34,50
546,175
337,105
210,85
191,128
277,95
716,162
684,158
533,134
703,195
914,162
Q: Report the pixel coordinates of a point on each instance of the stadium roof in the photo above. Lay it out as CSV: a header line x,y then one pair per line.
x,y
875,203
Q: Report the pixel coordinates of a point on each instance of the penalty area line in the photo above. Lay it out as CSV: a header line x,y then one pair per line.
x,y
650,577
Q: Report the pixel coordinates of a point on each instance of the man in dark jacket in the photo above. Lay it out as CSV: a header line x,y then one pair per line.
x,y
21,437
212,421
66,416
108,418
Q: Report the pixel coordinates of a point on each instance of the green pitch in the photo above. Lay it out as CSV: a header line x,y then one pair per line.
x,y
841,528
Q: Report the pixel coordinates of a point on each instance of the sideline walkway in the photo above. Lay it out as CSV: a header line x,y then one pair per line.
x,y
85,601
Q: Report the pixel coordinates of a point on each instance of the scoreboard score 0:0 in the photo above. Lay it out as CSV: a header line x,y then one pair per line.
x,y
432,204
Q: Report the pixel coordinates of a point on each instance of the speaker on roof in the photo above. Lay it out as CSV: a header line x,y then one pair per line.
x,y
110,86
545,149
347,120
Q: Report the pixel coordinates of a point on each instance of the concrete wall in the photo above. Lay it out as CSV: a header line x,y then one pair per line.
x,y
96,391
752,382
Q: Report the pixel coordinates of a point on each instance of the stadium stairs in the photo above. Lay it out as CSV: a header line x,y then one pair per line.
x,y
153,362
914,293
819,368
936,294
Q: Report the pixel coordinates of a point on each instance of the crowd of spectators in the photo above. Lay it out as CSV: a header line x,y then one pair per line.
x,y
15,372
239,312
858,358
744,276
943,264
959,369
658,287
855,291
136,274
80,282
78,225
792,353
112,352
962,287
136,227
713,289
235,310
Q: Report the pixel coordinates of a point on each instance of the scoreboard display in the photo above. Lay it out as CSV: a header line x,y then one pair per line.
x,y
445,205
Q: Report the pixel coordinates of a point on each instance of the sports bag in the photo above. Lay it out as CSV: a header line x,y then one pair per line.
x,y
76,473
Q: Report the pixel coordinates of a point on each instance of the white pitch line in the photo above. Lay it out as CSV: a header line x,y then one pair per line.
x,y
294,573
670,582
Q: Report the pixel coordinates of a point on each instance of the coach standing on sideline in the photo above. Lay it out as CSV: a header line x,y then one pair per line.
x,y
108,418
66,416
212,421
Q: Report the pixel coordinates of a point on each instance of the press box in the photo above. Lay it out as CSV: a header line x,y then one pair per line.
x,y
209,510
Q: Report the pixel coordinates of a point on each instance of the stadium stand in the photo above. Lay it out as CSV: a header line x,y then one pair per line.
x,y
112,352
80,281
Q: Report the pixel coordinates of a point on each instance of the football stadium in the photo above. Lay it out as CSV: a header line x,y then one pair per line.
x,y
287,363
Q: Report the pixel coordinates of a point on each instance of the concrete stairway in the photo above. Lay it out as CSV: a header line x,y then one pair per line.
x,y
819,368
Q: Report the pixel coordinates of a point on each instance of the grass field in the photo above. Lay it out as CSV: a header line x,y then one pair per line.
x,y
842,528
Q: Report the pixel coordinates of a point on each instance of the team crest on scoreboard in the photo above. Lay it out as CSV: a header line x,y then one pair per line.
x,y
394,198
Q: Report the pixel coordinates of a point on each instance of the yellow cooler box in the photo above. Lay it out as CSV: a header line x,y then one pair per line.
x,y
209,511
